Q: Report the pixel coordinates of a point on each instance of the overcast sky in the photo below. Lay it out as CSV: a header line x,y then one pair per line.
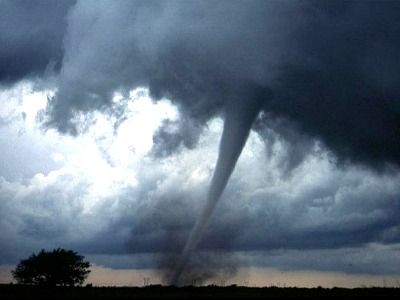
x,y
111,116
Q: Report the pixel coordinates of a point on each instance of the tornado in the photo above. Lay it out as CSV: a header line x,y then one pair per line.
x,y
239,117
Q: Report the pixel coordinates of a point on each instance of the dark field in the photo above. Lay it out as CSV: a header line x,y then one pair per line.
x,y
158,291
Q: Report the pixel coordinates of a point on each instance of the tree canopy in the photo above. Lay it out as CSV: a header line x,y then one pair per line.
x,y
58,267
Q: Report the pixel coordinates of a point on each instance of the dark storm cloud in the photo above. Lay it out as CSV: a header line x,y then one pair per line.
x,y
348,95
31,35
163,227
297,145
332,67
173,134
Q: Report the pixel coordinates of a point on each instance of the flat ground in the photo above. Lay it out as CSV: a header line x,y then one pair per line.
x,y
158,291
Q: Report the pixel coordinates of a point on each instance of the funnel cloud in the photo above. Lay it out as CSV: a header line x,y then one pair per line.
x,y
237,124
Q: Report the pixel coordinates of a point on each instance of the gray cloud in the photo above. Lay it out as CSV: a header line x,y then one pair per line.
x,y
371,259
172,134
333,213
31,35
176,49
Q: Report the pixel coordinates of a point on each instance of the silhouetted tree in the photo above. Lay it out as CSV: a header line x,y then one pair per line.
x,y
58,267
